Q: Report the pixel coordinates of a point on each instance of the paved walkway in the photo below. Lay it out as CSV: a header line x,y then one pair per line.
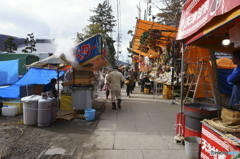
x,y
141,129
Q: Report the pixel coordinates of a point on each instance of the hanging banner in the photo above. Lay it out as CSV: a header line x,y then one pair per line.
x,y
197,13
88,50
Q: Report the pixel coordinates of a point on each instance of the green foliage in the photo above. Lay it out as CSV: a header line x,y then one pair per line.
x,y
9,45
130,50
92,29
30,43
102,23
103,16
171,14
111,50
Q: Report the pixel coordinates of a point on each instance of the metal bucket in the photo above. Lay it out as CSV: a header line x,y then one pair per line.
x,y
192,146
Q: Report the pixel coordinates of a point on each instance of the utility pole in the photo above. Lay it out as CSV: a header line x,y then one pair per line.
x,y
139,11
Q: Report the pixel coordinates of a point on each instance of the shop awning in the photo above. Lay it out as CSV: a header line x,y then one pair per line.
x,y
205,23
52,60
167,34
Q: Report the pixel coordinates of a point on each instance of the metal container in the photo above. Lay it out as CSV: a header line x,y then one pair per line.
x,y
44,110
82,98
30,107
196,112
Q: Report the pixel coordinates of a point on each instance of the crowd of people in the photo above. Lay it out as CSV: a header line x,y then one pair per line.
x,y
113,80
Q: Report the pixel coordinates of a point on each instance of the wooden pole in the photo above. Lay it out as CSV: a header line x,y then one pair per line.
x,y
216,86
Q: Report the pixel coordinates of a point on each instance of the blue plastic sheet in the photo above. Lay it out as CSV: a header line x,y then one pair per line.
x,y
33,76
225,88
8,72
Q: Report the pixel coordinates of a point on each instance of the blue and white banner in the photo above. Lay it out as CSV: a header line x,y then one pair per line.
x,y
88,50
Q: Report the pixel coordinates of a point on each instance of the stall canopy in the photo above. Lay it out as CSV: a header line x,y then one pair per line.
x,y
205,23
33,76
9,72
52,60
162,36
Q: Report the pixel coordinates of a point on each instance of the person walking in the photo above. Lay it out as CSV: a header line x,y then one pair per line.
x,y
129,83
107,85
115,78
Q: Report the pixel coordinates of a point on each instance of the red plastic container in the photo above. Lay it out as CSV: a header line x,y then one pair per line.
x,y
180,129
190,132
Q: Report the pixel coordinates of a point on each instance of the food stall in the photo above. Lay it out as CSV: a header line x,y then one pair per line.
x,y
209,24
79,83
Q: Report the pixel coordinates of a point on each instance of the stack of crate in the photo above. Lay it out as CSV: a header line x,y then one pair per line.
x,y
83,76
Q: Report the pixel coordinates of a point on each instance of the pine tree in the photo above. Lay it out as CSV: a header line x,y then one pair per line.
x,y
29,41
111,50
171,14
103,22
103,16
9,45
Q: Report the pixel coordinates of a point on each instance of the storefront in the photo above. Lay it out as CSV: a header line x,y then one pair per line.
x,y
206,24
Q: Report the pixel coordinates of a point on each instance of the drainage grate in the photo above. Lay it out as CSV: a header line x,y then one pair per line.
x,y
56,156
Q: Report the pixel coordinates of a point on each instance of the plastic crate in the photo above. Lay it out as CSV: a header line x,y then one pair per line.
x,y
17,103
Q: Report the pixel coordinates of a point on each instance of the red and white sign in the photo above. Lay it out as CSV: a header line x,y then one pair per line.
x,y
197,13
212,142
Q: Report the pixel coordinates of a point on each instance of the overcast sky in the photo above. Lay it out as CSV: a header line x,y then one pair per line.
x,y
64,18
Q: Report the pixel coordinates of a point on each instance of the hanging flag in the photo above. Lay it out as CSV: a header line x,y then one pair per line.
x,y
88,50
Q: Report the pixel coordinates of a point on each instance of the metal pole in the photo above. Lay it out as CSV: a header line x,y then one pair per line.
x,y
182,86
172,69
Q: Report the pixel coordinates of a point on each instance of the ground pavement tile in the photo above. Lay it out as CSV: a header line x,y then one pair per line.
x,y
168,139
164,154
117,125
139,141
113,154
100,140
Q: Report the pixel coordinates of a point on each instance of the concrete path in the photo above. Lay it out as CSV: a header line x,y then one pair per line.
x,y
142,129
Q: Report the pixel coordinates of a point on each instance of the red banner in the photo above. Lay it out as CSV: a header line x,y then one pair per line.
x,y
197,13
213,146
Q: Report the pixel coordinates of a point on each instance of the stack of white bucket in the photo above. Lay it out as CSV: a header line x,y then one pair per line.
x,y
38,110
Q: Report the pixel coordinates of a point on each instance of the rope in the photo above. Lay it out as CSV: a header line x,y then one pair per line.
x,y
11,141
176,126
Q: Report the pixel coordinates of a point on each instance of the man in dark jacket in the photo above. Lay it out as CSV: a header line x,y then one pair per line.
x,y
144,80
51,87
234,79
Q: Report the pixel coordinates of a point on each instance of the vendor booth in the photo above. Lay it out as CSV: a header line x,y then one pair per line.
x,y
79,82
210,24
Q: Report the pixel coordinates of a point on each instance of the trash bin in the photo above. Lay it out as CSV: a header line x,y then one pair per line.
x,y
192,146
30,108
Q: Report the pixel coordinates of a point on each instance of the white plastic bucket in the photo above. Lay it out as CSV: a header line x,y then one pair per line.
x,y
192,146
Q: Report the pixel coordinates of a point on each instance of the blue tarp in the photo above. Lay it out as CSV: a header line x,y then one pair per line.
x,y
8,72
225,88
33,76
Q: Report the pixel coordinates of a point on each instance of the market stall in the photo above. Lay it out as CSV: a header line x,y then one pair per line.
x,y
79,83
210,25
154,44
